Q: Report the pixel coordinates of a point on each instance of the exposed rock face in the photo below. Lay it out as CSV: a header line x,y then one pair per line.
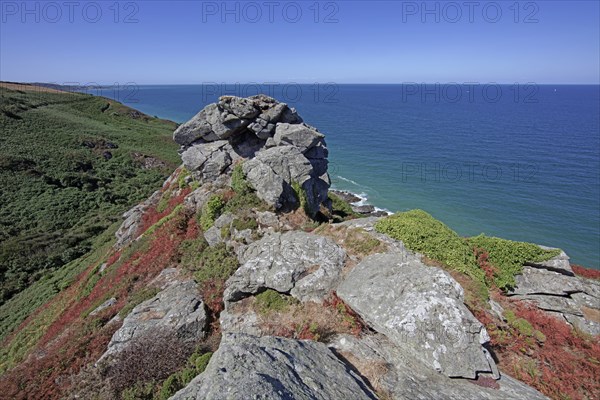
x,y
421,310
281,150
304,265
552,287
403,377
129,229
249,367
177,309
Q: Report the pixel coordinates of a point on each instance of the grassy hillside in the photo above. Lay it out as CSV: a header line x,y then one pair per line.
x,y
70,164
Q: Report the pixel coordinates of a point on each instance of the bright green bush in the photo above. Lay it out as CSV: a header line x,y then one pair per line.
x,y
201,362
422,233
238,180
211,211
509,256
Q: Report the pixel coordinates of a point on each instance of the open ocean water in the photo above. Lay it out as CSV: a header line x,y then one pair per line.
x,y
520,162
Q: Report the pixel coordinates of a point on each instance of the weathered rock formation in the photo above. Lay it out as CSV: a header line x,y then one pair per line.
x,y
250,367
304,265
553,287
281,151
421,310
177,310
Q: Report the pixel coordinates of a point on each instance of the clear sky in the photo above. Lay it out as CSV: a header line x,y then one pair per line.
x,y
179,42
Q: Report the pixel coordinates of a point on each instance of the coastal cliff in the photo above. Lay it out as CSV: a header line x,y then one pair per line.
x,y
245,276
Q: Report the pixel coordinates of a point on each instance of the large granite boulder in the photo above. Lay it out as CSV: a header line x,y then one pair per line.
x,y
250,367
177,309
304,265
401,376
421,310
278,150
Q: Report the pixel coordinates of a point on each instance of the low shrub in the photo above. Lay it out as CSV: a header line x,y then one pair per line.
x,y
341,210
508,257
244,223
190,252
273,301
238,181
302,197
489,260
211,211
216,263
422,233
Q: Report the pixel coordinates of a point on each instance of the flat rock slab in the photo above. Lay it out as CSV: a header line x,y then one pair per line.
x,y
178,309
250,367
304,265
403,377
421,310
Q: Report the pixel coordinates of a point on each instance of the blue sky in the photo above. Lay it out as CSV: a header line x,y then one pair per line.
x,y
179,42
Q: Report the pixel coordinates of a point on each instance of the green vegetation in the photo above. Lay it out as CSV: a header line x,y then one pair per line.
x,y
211,211
216,263
141,391
181,181
422,233
301,196
245,197
244,223
14,311
70,165
238,180
508,257
341,209
190,252
163,203
196,365
522,326
273,301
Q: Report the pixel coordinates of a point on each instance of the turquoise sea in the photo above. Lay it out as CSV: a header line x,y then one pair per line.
x,y
516,161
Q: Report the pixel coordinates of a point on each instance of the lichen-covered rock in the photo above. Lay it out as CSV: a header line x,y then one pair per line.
x,y
397,373
250,367
304,265
178,310
421,310
553,288
279,150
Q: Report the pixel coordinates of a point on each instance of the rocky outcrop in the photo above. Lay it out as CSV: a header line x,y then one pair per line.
x,y
304,265
552,287
421,310
249,367
279,150
176,310
129,229
401,377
